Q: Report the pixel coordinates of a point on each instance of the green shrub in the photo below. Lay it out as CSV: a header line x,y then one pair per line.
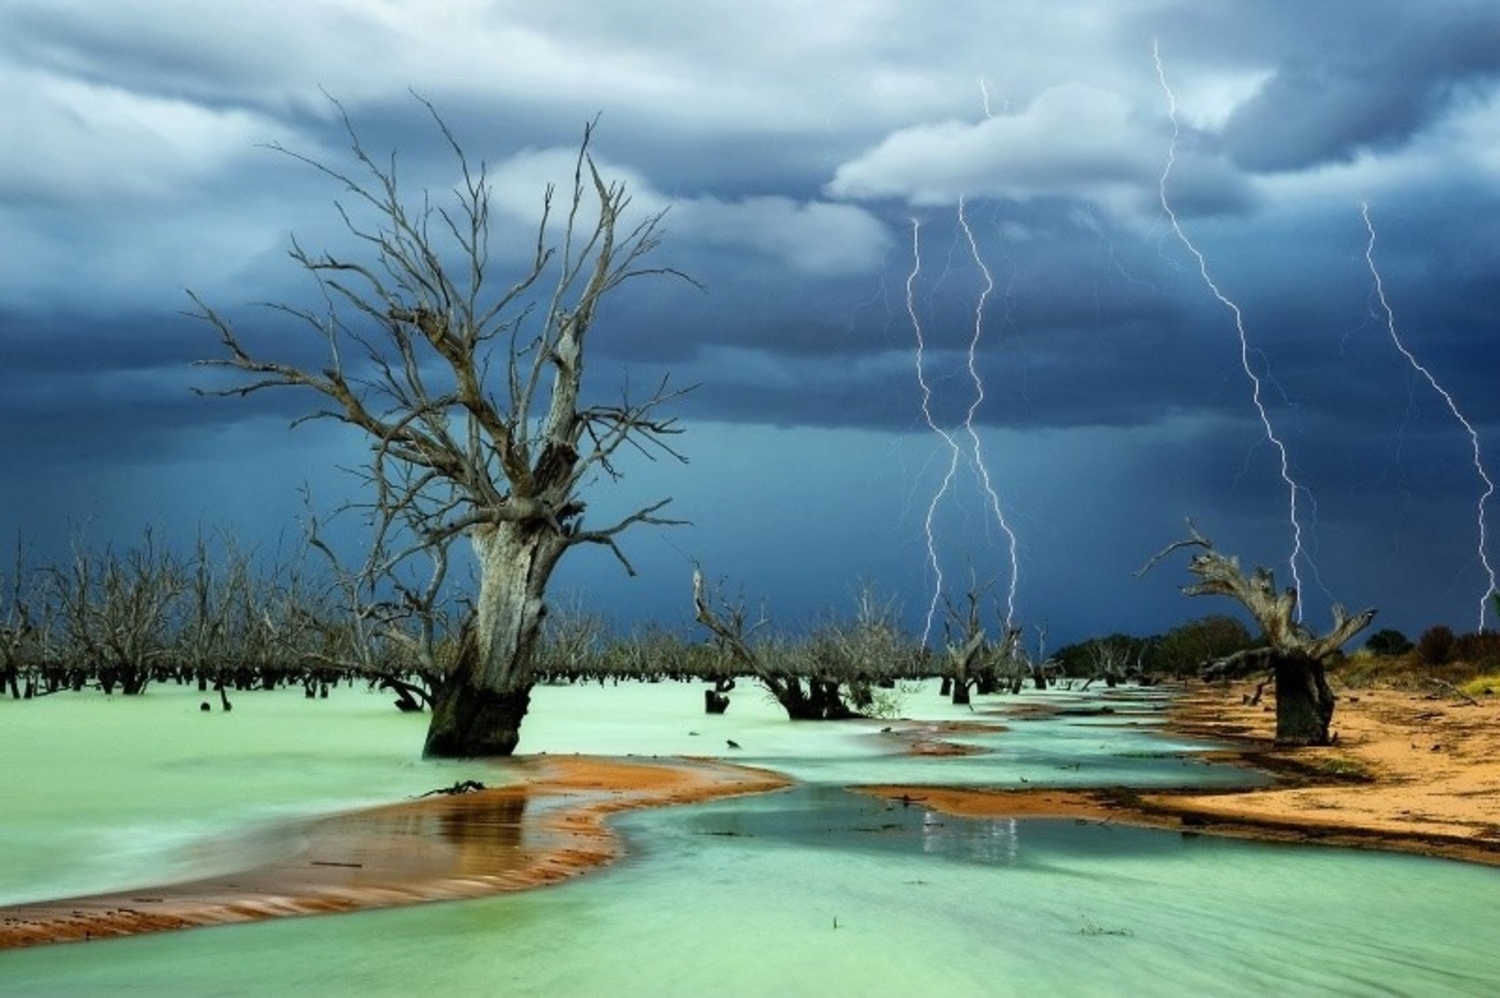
x,y
1436,645
1388,642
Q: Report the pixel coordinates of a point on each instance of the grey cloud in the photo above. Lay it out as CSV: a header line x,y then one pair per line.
x,y
1328,107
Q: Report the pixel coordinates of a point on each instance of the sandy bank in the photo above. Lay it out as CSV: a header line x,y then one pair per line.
x,y
546,826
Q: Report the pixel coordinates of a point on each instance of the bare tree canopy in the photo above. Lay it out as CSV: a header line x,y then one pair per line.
x,y
469,388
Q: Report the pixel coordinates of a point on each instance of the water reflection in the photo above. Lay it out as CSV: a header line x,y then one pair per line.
x,y
486,833
996,840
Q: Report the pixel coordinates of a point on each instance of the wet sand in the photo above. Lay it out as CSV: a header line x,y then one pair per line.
x,y
546,826
1415,772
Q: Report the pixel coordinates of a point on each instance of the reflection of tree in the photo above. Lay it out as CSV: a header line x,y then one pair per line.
x,y
990,841
483,830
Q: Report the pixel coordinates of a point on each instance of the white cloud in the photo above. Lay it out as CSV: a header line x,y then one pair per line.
x,y
88,142
1073,140
815,237
810,236
780,66
519,182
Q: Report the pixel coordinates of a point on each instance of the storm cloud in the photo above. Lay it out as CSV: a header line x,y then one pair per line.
x,y
854,188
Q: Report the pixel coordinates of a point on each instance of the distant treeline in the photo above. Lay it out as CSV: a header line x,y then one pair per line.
x,y
224,618
1180,652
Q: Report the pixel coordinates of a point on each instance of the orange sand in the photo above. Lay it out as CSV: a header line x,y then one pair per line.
x,y
1413,771
545,828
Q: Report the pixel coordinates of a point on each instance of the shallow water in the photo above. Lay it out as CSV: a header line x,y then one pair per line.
x,y
109,792
809,891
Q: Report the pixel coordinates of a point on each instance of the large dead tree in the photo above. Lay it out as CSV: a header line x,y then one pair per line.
x,y
469,388
1289,651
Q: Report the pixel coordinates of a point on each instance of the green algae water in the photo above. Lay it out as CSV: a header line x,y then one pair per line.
x,y
813,890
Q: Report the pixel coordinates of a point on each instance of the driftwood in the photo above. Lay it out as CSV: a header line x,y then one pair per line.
x,y
459,787
1443,686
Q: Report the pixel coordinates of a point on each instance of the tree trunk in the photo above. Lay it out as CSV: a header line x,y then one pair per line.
x,y
478,708
134,679
1304,703
470,721
515,563
821,701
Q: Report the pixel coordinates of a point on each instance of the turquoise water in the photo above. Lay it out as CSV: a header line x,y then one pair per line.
x,y
813,890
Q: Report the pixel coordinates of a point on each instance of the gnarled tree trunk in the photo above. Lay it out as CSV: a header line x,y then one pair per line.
x,y
1304,703
1292,653
821,700
469,721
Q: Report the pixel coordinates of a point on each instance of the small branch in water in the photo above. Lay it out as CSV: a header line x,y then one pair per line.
x,y
1090,929
461,787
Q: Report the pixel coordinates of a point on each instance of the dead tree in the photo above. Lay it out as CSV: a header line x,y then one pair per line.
x,y
468,386
18,632
1109,659
819,700
967,647
117,613
1039,665
1289,651
387,621
572,642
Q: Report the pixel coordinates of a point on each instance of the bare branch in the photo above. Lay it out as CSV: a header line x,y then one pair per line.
x,y
1194,540
1275,611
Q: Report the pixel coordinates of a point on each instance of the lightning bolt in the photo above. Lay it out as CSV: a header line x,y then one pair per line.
x,y
1390,326
954,451
978,455
949,438
1293,489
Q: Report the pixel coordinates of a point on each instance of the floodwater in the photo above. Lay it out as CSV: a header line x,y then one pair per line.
x,y
813,890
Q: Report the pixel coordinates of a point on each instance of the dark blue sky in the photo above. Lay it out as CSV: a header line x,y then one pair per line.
x,y
809,153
